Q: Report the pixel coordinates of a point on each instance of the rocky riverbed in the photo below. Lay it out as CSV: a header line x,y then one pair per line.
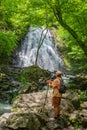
x,y
34,111
31,102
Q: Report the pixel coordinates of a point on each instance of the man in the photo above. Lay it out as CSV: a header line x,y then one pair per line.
x,y
56,95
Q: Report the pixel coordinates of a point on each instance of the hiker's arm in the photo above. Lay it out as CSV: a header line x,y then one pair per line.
x,y
51,83
55,83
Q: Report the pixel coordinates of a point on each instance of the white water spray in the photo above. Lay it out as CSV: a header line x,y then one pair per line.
x,y
48,57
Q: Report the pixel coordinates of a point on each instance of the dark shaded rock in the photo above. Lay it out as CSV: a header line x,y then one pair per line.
x,y
79,82
14,81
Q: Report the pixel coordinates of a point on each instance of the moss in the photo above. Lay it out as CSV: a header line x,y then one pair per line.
x,y
14,109
15,98
34,73
32,79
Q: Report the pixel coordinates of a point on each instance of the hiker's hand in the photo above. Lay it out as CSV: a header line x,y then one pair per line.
x,y
49,82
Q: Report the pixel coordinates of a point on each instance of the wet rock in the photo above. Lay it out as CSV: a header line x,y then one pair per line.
x,y
34,111
84,105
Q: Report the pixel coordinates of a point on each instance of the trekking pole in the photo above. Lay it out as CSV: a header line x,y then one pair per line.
x,y
43,107
45,98
51,77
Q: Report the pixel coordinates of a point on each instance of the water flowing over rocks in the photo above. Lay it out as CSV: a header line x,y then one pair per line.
x,y
5,108
34,112
48,56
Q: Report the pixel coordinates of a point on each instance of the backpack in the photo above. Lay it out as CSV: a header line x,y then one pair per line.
x,y
62,86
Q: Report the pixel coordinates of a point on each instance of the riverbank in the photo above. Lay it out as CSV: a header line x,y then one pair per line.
x,y
34,111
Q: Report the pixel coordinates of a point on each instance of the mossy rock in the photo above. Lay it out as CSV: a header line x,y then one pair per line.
x,y
34,73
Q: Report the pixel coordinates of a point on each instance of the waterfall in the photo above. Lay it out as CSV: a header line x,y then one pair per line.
x,y
48,57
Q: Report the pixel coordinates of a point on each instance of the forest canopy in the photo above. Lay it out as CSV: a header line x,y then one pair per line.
x,y
68,17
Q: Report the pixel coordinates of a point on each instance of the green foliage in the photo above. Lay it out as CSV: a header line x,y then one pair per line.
x,y
13,25
16,18
73,14
33,78
77,123
83,96
22,79
34,73
72,52
8,41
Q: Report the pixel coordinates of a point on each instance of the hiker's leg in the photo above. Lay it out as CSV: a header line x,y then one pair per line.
x,y
56,104
57,107
56,111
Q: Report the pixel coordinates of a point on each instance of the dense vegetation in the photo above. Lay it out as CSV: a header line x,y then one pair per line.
x,y
68,17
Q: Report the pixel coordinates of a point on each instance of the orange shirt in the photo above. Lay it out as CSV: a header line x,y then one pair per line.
x,y
55,84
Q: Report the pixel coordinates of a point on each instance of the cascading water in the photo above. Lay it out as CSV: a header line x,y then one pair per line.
x,y
48,57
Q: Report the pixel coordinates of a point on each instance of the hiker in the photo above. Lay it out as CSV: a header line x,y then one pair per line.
x,y
56,96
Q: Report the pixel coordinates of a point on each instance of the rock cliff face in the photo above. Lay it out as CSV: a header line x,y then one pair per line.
x,y
34,111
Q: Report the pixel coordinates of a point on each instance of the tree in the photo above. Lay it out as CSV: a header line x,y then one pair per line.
x,y
65,14
70,16
60,14
40,43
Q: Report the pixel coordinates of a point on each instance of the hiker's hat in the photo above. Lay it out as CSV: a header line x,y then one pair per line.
x,y
58,73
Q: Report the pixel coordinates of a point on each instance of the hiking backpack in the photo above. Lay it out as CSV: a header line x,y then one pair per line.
x,y
62,86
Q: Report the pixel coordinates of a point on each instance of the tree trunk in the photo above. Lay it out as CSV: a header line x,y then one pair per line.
x,y
40,44
58,15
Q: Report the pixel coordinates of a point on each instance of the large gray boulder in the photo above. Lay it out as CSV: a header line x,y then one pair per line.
x,y
34,111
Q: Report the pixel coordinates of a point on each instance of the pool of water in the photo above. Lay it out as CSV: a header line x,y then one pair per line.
x,y
5,108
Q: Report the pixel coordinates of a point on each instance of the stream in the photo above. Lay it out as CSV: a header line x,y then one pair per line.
x,y
5,108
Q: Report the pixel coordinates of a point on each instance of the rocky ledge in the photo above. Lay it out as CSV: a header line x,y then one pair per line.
x,y
34,111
